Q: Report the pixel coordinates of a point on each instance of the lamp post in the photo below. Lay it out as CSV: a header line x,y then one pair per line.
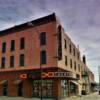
x,y
31,24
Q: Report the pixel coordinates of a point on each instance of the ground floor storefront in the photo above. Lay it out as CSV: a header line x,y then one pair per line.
x,y
28,83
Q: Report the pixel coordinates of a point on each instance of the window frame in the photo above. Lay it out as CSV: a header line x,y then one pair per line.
x,y
12,59
42,38
3,60
3,47
21,60
43,57
22,43
12,48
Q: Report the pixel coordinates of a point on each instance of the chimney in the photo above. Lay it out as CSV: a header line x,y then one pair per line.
x,y
84,59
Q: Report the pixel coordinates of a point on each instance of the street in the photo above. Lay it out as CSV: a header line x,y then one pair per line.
x,y
93,96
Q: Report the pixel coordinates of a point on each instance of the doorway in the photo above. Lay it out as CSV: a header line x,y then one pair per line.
x,y
5,89
20,89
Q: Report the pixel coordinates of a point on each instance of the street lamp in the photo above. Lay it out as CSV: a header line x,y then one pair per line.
x,y
31,24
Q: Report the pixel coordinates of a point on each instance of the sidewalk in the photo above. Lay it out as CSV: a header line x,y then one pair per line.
x,y
92,96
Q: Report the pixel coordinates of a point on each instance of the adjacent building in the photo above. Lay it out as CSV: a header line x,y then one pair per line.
x,y
38,52
88,82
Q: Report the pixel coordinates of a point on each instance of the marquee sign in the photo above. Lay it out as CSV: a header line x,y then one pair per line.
x,y
23,76
46,75
56,74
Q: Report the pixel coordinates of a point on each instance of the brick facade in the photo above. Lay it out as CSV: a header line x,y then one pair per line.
x,y
31,33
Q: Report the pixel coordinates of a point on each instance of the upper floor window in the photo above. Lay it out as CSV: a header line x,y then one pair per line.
x,y
21,60
78,55
59,42
79,67
77,76
12,48
3,62
11,61
3,47
71,63
66,60
75,65
70,48
74,51
65,45
42,38
22,43
43,57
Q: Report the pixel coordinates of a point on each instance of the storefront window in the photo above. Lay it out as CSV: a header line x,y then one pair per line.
x,y
47,86
64,88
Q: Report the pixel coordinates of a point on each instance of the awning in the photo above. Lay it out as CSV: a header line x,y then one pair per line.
x,y
3,82
17,81
75,82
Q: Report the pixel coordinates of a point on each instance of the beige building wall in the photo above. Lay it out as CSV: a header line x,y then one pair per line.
x,y
73,56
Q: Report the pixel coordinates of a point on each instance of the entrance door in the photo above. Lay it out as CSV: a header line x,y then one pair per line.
x,y
20,89
5,89
73,89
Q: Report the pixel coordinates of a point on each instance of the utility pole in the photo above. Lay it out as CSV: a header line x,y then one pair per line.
x,y
99,78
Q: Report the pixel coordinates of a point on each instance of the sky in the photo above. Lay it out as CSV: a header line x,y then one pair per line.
x,y
79,18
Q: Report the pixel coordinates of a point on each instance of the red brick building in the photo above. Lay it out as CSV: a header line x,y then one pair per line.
x,y
26,48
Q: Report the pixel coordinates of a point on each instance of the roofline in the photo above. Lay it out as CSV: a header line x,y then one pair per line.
x,y
36,22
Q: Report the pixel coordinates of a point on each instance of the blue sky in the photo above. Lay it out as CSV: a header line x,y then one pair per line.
x,y
80,19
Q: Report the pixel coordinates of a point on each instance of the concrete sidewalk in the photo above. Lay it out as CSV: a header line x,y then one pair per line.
x,y
92,96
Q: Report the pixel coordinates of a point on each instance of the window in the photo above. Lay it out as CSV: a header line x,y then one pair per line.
x,y
71,63
3,47
70,48
3,62
11,61
77,76
74,51
43,57
65,45
78,55
64,88
59,42
12,45
79,67
66,60
42,38
75,65
22,43
21,60
47,86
